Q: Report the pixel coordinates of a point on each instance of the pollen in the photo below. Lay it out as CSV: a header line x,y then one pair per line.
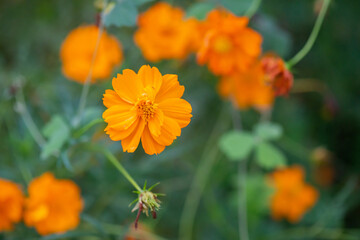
x,y
146,108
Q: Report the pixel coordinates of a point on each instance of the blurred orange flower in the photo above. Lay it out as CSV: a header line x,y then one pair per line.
x,y
164,33
292,197
77,51
247,89
53,205
142,232
11,204
276,74
146,106
229,45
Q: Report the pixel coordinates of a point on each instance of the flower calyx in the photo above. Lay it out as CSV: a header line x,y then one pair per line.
x,y
145,202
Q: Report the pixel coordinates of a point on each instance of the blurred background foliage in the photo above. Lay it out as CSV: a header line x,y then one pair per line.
x,y
323,110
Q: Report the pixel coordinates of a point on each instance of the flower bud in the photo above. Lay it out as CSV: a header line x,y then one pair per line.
x,y
146,201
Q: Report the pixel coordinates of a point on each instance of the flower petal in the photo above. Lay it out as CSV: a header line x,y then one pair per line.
x,y
128,86
112,98
131,143
117,135
170,88
250,40
178,109
149,144
120,119
156,122
150,77
169,131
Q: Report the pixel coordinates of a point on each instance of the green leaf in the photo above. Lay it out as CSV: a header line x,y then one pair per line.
x,y
238,7
269,157
57,132
237,145
151,188
121,13
145,185
199,10
268,131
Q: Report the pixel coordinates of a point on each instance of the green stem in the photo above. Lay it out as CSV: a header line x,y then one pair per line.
x,y
253,8
310,42
243,226
121,169
197,186
86,86
29,123
84,129
242,175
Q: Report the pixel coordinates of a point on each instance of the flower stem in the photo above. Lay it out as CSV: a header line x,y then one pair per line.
x,y
311,40
29,123
242,175
243,228
121,169
84,129
86,86
253,8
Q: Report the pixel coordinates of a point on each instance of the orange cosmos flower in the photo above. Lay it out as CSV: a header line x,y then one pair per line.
x,y
146,106
247,89
53,205
164,33
277,74
292,197
229,45
11,204
77,51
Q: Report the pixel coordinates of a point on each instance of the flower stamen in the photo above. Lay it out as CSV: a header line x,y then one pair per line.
x,y
146,108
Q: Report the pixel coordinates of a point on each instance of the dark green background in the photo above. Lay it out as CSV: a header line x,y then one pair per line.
x,y
31,33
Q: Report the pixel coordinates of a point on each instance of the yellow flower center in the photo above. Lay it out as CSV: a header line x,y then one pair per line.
x,y
146,108
40,213
222,44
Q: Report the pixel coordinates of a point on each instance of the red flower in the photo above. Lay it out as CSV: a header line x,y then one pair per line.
x,y
277,74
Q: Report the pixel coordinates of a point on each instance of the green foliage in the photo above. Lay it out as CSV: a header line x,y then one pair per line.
x,y
122,13
199,10
268,157
268,131
258,194
237,145
311,119
57,133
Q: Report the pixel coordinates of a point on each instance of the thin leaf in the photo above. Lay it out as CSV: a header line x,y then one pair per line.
x,y
153,186
144,188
